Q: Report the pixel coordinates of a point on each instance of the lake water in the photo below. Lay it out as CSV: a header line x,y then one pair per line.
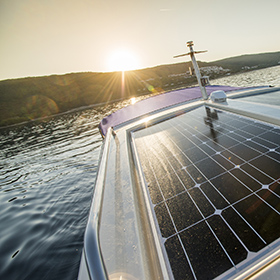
x,y
47,175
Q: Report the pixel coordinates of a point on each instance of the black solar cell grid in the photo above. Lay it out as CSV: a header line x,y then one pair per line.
x,y
214,182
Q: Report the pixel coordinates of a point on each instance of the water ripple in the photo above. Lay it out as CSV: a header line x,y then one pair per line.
x,y
47,176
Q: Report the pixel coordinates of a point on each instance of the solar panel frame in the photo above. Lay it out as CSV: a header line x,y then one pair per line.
x,y
199,138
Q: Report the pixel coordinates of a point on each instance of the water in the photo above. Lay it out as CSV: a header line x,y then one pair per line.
x,y
47,175
269,76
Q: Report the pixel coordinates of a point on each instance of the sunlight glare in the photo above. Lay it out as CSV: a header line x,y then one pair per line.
x,y
122,60
132,100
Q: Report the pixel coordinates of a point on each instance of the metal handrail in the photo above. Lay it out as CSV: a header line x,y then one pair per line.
x,y
92,250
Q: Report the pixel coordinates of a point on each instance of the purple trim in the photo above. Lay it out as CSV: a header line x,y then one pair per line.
x,y
155,103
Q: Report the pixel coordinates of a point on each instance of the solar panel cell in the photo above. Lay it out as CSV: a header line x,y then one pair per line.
x,y
230,188
254,130
243,230
170,185
275,129
183,211
178,260
206,254
229,240
184,144
275,156
236,160
178,160
155,193
262,125
256,146
196,174
215,145
209,168
164,220
242,133
244,152
258,175
263,218
226,141
225,163
236,123
185,178
275,187
206,149
264,142
239,138
214,195
202,202
268,165
195,154
270,198
272,137
247,180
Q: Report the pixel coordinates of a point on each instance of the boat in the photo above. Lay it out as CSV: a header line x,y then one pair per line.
x,y
188,187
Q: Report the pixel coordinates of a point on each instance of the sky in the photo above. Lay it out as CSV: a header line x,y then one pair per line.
x,y
45,37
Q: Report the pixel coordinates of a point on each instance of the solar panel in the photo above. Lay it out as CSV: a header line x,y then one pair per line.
x,y
213,180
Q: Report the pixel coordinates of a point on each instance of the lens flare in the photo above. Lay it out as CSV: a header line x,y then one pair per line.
x,y
39,106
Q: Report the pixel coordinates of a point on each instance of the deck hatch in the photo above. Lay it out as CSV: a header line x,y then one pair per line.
x,y
213,180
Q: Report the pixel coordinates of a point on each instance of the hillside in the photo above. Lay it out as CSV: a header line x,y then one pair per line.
x,y
35,97
249,61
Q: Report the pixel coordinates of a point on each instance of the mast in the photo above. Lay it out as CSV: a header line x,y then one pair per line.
x,y
196,68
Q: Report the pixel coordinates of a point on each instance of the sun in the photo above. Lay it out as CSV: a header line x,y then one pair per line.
x,y
122,60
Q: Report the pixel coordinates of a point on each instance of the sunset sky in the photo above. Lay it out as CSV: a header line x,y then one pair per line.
x,y
44,37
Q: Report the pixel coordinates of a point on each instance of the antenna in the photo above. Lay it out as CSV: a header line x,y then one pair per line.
x,y
200,79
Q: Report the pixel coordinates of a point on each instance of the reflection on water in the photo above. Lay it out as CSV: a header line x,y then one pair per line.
x,y
47,174
263,77
47,177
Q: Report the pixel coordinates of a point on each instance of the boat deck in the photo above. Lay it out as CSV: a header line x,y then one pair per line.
x,y
189,192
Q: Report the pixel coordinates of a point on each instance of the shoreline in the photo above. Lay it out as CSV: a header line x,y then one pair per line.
x,y
20,119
